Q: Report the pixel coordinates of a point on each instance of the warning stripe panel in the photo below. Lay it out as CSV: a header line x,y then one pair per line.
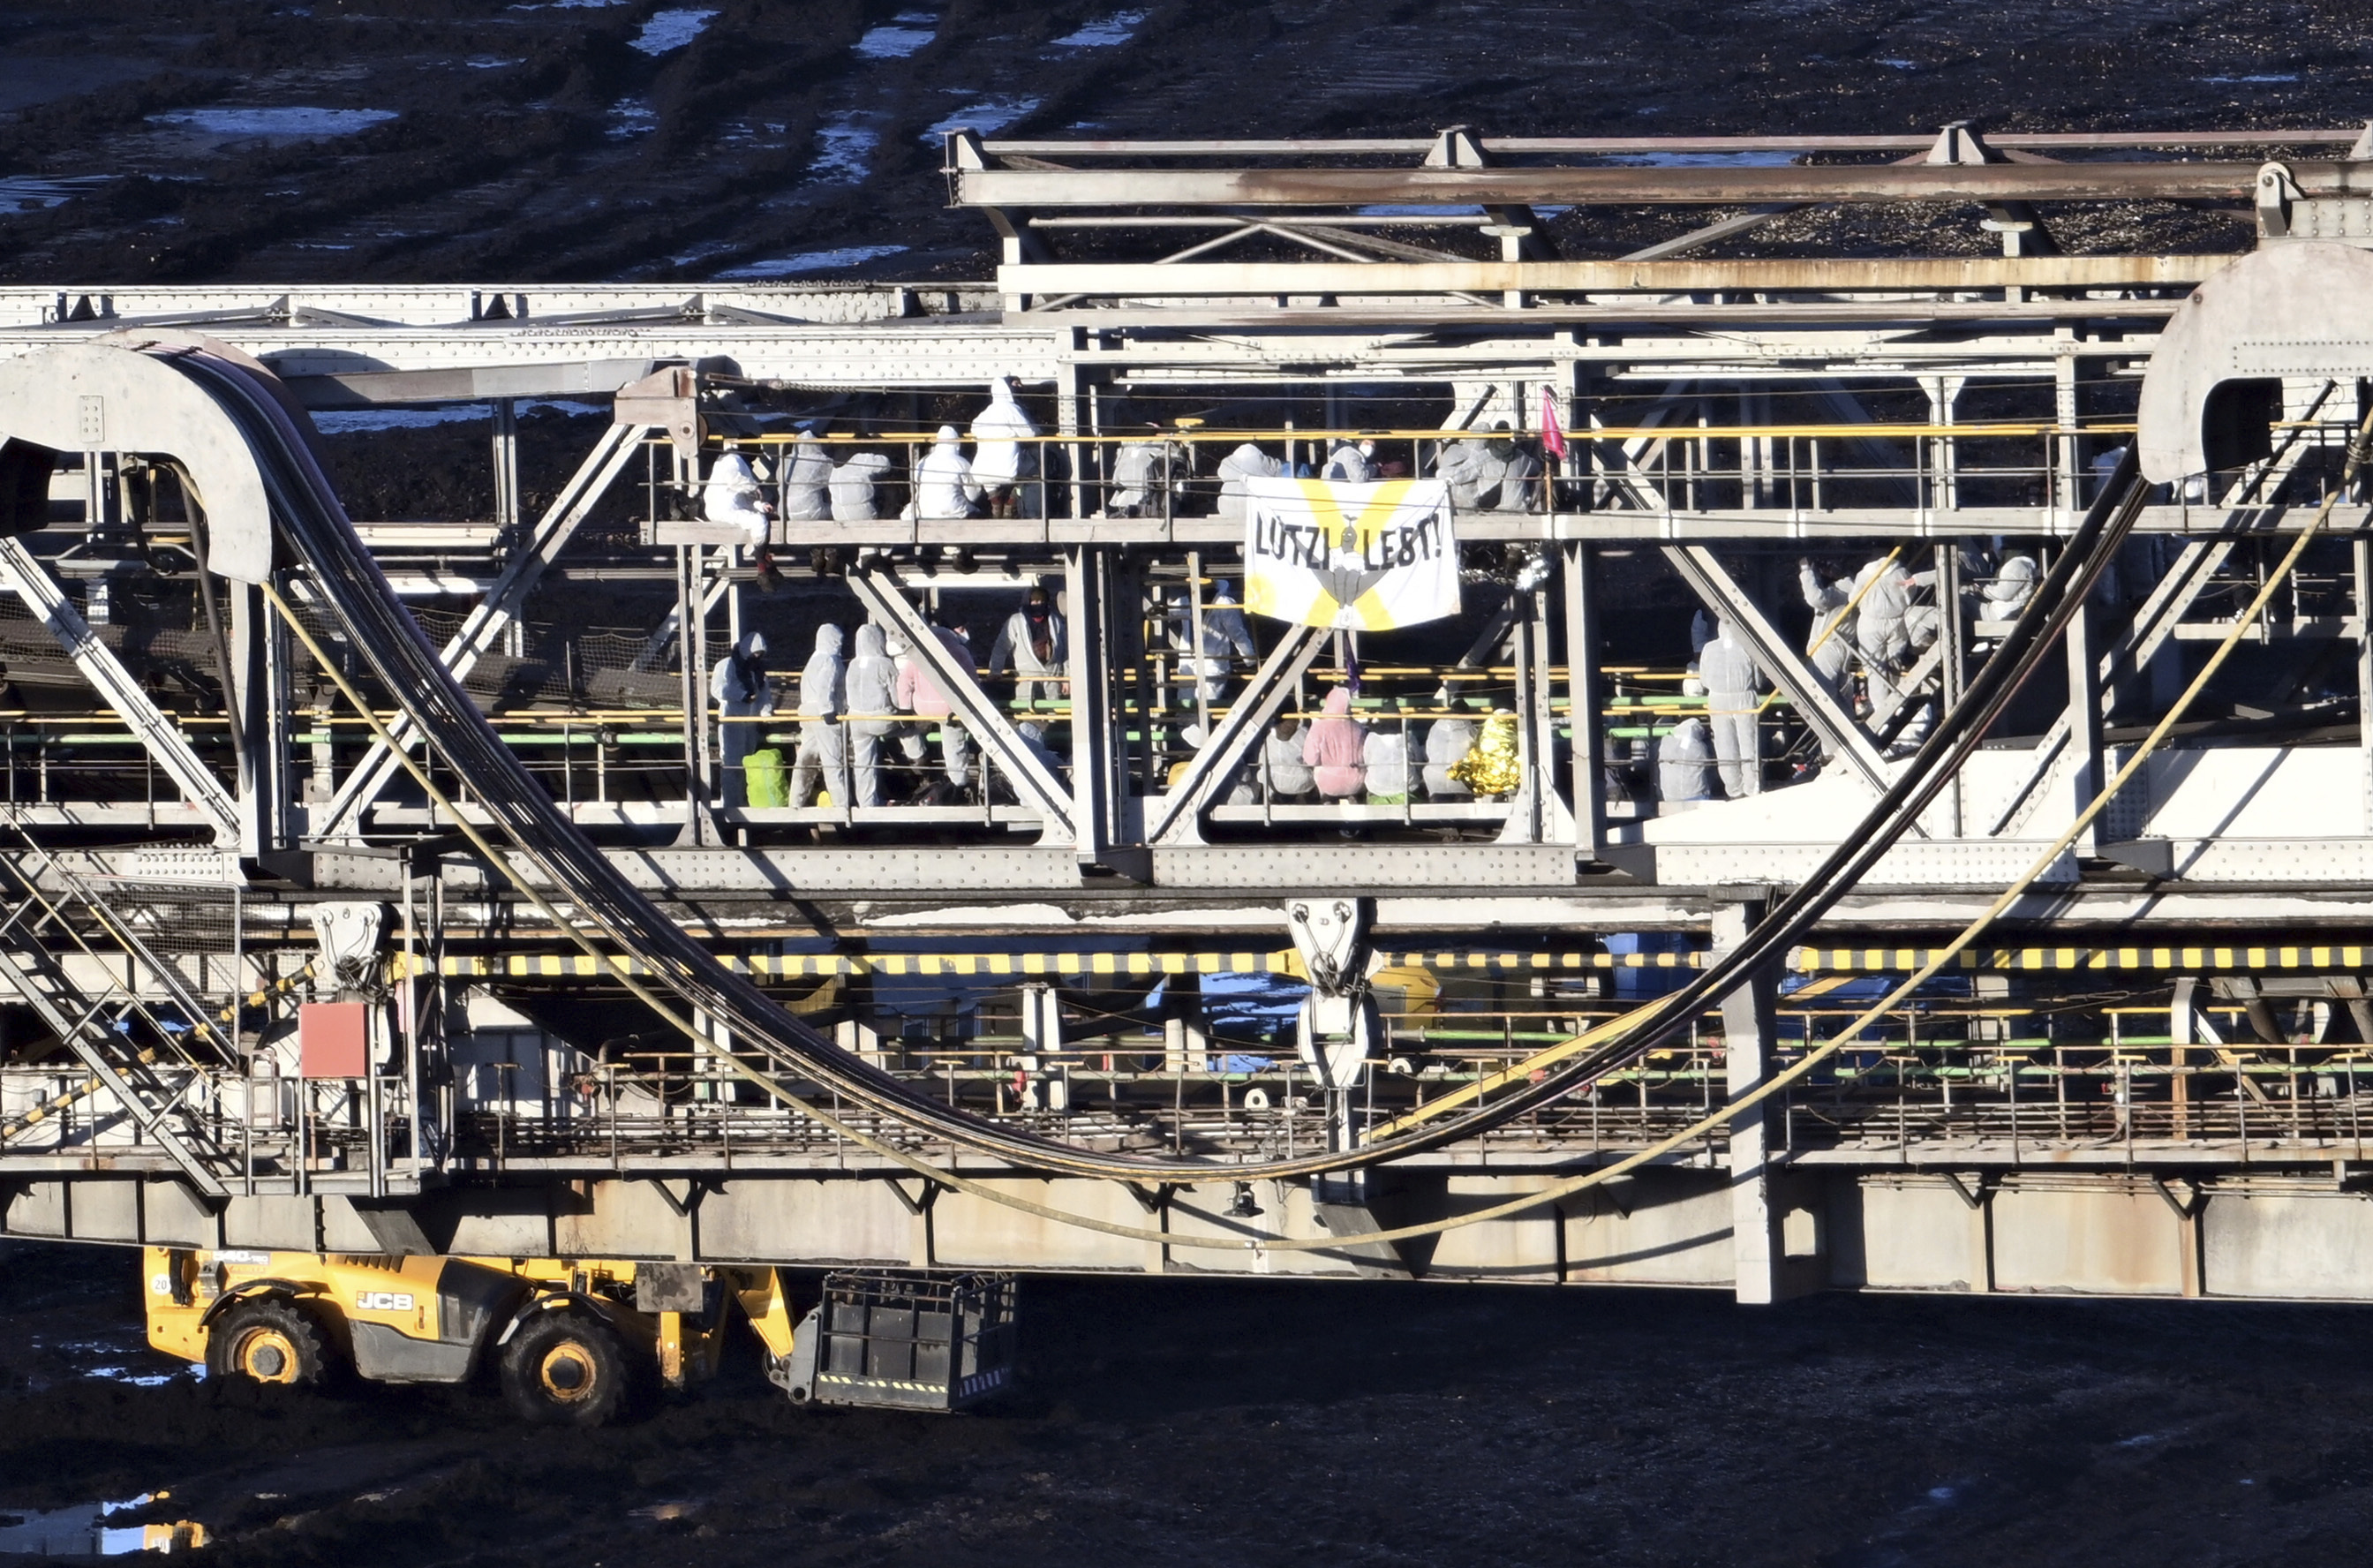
x,y
816,966
2173,960
1803,960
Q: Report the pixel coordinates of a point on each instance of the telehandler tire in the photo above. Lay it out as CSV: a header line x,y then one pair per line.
x,y
566,1368
271,1341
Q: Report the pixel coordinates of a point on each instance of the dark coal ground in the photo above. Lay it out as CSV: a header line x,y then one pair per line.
x,y
1173,1421
1180,1422
536,141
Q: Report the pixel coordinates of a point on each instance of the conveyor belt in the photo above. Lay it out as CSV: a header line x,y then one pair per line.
x,y
314,525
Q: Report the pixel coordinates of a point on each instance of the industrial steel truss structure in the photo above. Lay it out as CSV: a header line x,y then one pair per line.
x,y
223,809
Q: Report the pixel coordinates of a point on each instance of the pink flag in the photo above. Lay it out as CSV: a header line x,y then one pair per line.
x,y
1552,433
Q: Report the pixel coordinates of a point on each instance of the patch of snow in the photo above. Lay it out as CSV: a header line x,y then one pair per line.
x,y
808,261
292,123
1900,65
357,421
893,41
987,116
670,31
490,62
26,192
1115,29
845,151
347,422
1708,160
2268,79
632,117
137,1379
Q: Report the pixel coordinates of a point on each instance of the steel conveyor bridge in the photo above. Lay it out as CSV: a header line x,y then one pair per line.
x,y
613,1004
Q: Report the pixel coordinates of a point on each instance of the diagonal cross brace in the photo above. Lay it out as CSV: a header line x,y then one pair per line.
x,y
2194,571
1180,819
164,975
26,577
1909,687
498,609
1781,660
150,1118
878,587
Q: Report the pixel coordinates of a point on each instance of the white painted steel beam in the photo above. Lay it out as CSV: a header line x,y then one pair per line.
x,y
1819,274
24,577
1634,185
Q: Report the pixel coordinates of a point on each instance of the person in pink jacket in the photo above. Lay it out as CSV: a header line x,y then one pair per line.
x,y
919,694
1335,748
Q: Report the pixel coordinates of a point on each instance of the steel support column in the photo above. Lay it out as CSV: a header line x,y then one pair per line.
x,y
2083,716
1101,797
1749,1031
1537,814
1582,703
2361,550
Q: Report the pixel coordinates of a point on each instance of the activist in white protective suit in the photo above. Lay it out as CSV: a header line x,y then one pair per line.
x,y
1727,666
1467,470
871,686
1880,633
1494,473
822,755
853,498
944,485
742,692
1448,742
1829,645
2013,585
1004,458
1142,473
1520,472
1225,638
1684,763
1032,645
1386,756
1247,462
1353,463
734,496
807,482
1287,777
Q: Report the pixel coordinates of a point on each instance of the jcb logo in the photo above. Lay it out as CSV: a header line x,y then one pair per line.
x,y
382,1300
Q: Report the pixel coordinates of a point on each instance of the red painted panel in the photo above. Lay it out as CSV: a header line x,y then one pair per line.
x,y
333,1039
